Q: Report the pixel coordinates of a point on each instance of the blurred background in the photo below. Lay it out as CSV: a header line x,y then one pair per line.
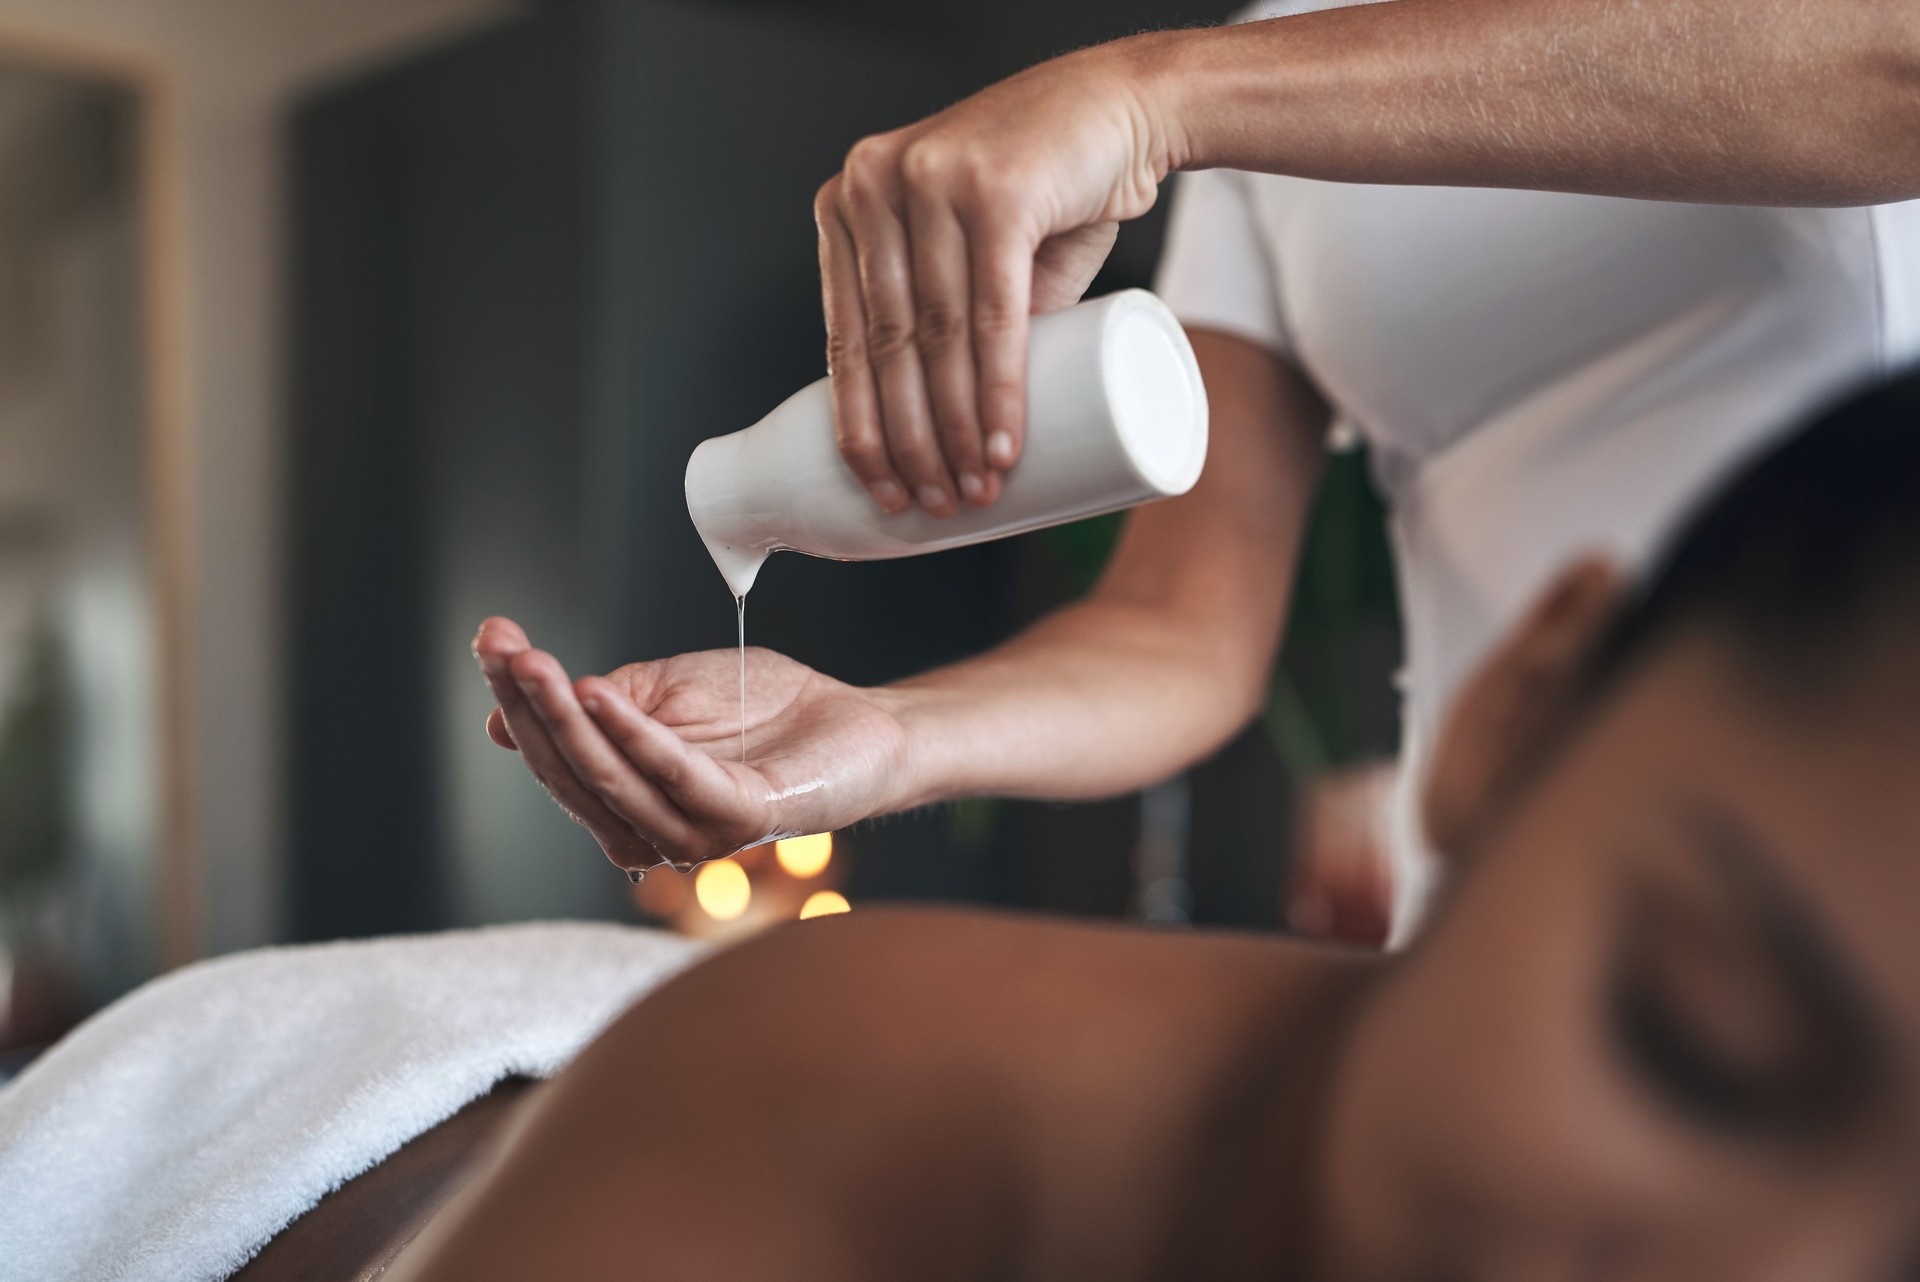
x,y
328,329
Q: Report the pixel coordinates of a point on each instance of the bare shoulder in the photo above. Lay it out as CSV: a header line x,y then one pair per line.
x,y
890,1093
912,985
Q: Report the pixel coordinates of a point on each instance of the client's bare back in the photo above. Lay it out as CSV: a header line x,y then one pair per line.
x,y
906,1094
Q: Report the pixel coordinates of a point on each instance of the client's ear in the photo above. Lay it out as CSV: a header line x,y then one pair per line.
x,y
1508,710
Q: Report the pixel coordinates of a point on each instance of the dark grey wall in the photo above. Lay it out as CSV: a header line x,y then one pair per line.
x,y
440,217
531,271
995,38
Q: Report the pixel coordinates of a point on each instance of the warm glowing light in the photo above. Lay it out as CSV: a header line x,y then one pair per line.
x,y
822,903
722,889
805,856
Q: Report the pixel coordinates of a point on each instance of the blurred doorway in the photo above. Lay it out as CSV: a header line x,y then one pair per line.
x,y
82,768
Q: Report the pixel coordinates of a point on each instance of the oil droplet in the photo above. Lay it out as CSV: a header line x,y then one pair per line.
x,y
635,875
740,611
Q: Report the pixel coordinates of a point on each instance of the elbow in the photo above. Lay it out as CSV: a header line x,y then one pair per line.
x,y
1253,702
1220,697
1242,700
1246,679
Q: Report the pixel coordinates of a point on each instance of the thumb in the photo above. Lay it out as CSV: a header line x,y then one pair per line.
x,y
1065,265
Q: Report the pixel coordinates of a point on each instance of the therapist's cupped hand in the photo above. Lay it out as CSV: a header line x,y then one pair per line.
x,y
647,757
938,240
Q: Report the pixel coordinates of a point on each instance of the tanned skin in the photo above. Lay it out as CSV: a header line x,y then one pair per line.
x,y
914,1095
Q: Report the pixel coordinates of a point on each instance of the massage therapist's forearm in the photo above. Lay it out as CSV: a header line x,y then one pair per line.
x,y
1171,653
1095,700
938,238
1776,102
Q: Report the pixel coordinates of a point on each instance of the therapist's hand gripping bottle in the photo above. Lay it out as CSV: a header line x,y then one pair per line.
x,y
1116,416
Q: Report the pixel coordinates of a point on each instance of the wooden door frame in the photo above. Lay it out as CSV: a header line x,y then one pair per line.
x,y
167,400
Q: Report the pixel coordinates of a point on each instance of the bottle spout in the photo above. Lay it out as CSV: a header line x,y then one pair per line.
x,y
721,500
1118,415
738,566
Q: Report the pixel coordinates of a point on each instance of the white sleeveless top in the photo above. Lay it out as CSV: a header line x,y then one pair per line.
x,y
1537,375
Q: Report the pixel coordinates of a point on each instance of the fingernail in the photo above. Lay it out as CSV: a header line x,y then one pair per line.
x,y
972,487
888,495
932,496
591,703
1000,449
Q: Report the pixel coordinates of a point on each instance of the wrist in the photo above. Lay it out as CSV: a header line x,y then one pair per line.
x,y
1188,82
1157,68
1222,97
921,778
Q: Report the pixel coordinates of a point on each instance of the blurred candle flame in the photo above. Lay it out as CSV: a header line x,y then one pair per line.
x,y
722,889
805,856
822,903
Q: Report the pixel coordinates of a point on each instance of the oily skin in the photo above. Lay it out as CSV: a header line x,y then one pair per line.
x,y
913,1094
932,1095
1165,660
646,758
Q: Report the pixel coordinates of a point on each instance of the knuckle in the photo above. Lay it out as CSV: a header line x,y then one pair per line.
x,y
960,434
826,200
918,457
995,317
865,455
1001,392
980,185
889,338
603,783
846,351
940,328
668,774
924,163
869,163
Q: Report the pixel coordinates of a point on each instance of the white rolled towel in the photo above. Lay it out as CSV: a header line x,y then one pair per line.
x,y
172,1135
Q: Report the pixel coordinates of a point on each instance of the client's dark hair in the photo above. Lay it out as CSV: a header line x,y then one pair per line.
x,y
1805,550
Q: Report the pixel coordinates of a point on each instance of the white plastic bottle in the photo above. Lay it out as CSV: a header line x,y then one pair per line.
x,y
1116,416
